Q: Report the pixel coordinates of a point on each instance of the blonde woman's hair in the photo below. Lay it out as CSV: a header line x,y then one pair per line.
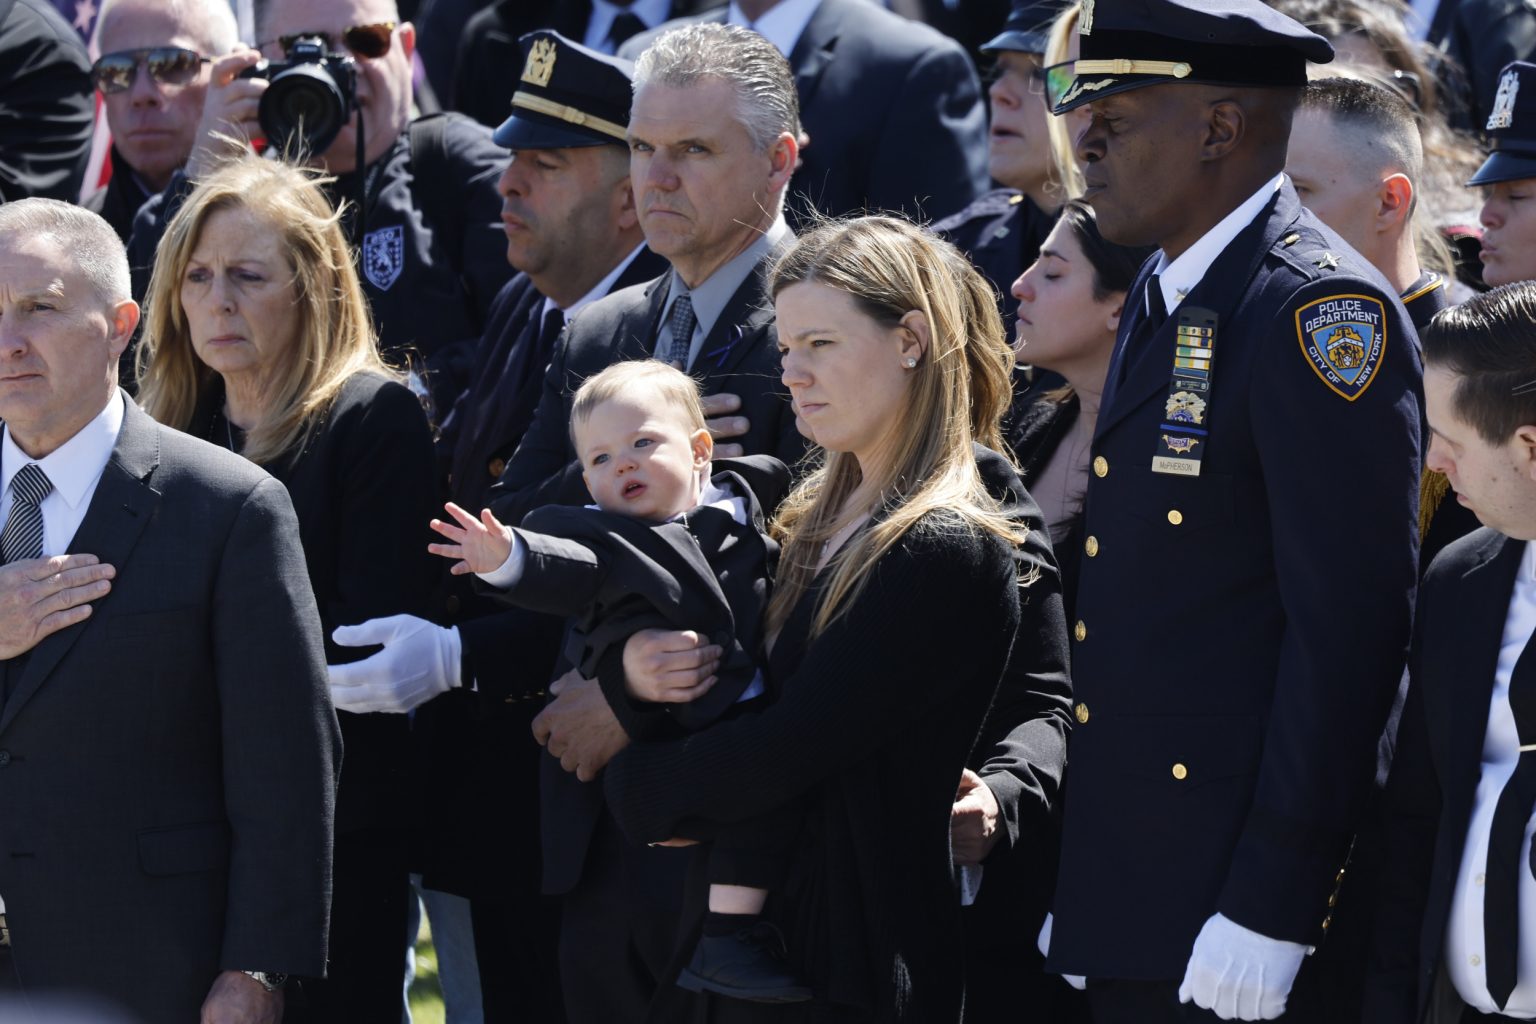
x,y
336,338
1065,174
956,393
648,380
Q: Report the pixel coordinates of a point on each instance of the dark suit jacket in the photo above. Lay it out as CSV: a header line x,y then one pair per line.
x,y
47,103
894,112
1458,630
870,726
490,63
1212,638
364,489
169,763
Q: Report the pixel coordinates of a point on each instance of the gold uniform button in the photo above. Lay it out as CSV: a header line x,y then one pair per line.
x,y
1175,516
1081,711
1101,466
1180,772
1091,545
496,467
1080,631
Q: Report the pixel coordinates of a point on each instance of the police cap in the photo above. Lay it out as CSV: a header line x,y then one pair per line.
x,y
1511,128
1128,44
1027,29
567,96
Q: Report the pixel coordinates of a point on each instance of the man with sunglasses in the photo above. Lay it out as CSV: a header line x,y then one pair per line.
x,y
152,75
431,250
1001,231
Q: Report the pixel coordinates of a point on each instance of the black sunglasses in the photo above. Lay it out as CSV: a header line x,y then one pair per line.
x,y
367,41
168,65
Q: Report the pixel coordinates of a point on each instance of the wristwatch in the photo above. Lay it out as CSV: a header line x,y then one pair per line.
x,y
269,980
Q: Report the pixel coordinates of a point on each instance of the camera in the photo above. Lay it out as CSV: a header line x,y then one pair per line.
x,y
310,98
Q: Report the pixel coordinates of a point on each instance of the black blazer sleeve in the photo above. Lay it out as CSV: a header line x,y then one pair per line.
x,y
47,108
1022,750
868,677
273,696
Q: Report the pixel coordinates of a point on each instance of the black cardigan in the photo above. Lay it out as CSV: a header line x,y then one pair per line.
x,y
870,727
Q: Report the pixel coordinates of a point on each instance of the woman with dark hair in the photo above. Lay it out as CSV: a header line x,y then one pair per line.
x,y
1070,301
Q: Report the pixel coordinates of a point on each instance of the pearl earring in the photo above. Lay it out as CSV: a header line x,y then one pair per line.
x,y
910,363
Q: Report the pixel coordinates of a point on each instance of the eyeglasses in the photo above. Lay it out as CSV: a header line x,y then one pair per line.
x,y
368,41
168,65
1035,76
1058,79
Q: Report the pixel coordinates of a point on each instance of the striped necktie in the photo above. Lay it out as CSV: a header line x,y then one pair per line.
x,y
23,535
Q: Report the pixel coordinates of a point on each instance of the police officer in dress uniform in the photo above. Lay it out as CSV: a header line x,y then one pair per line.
x,y
1251,530
573,235
1002,231
1507,176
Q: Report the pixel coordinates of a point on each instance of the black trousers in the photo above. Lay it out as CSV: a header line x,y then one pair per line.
x,y
515,944
370,892
618,928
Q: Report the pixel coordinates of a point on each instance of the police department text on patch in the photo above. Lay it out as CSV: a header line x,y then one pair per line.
x,y
1343,338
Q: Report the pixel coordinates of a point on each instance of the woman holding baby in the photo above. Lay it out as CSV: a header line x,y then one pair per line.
x,y
896,601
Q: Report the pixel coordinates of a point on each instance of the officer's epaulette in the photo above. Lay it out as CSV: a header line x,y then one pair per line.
x,y
1307,251
998,201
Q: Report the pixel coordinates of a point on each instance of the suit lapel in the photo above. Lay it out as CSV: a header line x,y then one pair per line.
x,y
637,339
1472,659
122,506
729,340
815,49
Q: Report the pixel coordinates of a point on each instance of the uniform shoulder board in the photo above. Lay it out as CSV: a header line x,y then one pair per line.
x,y
1343,338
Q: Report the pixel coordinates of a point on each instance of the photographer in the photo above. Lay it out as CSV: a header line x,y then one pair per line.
x,y
431,250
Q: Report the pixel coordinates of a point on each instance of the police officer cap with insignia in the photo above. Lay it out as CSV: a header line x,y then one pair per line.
x,y
1027,29
568,96
1509,242
1132,44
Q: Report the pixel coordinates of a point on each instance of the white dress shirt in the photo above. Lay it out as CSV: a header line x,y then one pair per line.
x,y
1465,958
74,468
1178,277
783,24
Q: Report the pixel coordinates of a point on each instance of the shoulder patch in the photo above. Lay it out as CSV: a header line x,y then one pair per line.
x,y
1343,338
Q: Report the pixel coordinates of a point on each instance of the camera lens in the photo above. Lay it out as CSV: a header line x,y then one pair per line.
x,y
303,109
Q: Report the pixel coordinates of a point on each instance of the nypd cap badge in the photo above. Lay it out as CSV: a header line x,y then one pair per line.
x,y
1343,338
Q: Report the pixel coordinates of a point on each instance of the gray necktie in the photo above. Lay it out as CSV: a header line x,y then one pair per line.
x,y
23,535
683,321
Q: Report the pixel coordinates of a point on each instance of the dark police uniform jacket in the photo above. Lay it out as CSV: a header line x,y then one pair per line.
x,y
1002,233
1239,633
432,254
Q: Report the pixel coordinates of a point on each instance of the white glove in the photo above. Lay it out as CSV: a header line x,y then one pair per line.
x,y
419,661
1043,943
1239,974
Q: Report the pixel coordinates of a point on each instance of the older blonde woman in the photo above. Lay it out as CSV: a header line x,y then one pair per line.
x,y
257,338
896,603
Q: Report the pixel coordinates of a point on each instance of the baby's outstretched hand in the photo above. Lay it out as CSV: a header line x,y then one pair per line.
x,y
481,545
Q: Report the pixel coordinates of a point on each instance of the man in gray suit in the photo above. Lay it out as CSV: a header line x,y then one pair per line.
x,y
168,751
